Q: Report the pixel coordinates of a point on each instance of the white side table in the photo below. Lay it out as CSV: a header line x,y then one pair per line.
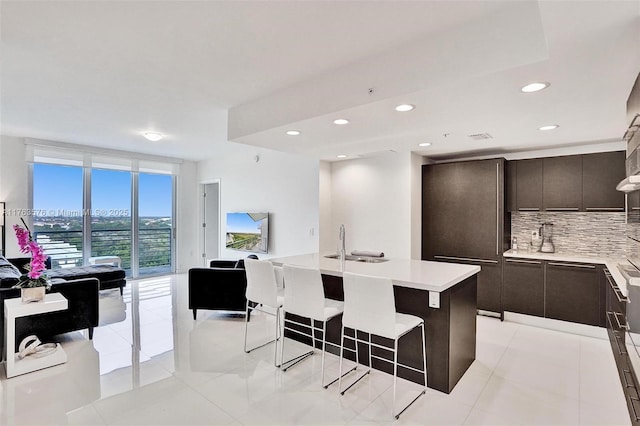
x,y
110,260
14,308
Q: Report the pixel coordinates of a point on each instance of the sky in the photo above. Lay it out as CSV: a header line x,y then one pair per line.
x,y
57,188
242,222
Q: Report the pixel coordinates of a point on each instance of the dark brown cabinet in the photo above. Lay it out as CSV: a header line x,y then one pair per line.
x,y
489,281
600,174
615,313
562,183
523,286
528,187
572,292
568,183
463,220
510,185
633,200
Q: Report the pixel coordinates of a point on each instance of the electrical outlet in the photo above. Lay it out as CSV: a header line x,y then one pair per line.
x,y
434,299
534,235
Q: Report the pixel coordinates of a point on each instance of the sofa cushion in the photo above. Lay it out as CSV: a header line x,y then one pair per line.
x,y
104,273
9,274
222,264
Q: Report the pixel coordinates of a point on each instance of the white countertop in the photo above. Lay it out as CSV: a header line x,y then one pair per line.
x,y
420,274
610,263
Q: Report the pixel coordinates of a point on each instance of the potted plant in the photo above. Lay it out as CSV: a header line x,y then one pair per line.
x,y
35,282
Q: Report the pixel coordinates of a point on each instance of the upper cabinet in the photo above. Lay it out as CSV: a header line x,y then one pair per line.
x,y
600,174
568,183
529,185
562,183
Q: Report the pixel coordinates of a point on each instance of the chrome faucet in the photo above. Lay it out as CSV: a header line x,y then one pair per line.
x,y
341,243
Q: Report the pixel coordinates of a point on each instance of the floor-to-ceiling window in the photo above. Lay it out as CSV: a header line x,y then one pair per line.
x,y
111,214
92,209
155,223
58,212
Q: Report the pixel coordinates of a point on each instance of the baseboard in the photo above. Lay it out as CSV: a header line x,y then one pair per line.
x,y
557,325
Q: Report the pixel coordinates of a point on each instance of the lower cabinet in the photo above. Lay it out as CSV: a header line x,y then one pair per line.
x,y
523,286
489,280
623,350
572,292
565,291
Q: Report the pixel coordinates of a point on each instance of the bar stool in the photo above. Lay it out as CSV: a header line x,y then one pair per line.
x,y
262,290
369,306
304,297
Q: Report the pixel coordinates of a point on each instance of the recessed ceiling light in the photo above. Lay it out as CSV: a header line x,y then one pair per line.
x,y
341,121
550,127
341,156
293,132
425,144
404,107
153,136
535,87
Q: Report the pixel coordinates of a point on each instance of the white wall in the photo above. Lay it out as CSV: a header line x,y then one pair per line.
x,y
14,186
372,197
285,185
187,251
416,205
327,238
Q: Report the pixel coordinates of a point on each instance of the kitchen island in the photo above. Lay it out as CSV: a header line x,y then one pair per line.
x,y
419,286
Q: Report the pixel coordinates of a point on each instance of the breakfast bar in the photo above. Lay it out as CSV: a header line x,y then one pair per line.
x,y
443,294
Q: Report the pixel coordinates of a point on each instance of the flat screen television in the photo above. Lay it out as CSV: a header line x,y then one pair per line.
x,y
248,232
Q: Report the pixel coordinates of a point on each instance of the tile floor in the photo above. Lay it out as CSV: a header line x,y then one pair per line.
x,y
150,363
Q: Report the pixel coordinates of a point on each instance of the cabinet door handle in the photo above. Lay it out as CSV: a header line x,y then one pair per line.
x,y
620,325
621,298
620,350
633,408
628,383
497,209
466,259
562,209
528,209
616,290
531,262
613,209
572,265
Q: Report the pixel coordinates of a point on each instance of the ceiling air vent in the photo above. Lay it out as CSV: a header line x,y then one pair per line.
x,y
480,136
376,153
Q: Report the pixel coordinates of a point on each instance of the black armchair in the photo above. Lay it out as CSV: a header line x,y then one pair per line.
x,y
221,287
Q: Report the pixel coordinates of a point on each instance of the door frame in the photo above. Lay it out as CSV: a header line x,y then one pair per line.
x,y
202,217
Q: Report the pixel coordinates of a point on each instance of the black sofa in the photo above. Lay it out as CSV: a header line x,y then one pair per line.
x,y
221,287
109,276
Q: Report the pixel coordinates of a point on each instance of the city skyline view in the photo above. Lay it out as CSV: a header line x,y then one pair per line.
x,y
110,192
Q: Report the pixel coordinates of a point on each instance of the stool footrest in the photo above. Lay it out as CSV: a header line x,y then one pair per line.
x,y
295,360
356,381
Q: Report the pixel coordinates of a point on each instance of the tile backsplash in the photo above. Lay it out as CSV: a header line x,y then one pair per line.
x,y
588,233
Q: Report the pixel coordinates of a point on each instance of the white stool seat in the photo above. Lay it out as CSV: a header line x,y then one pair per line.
x,y
404,324
332,308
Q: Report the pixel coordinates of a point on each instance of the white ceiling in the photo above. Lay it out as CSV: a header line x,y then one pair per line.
x,y
100,72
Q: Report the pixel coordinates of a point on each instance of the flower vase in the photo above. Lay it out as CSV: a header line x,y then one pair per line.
x,y
32,294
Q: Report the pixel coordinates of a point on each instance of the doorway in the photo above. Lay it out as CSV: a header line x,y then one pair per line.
x,y
211,222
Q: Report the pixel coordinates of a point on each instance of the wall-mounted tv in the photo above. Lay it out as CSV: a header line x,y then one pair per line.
x,y
248,232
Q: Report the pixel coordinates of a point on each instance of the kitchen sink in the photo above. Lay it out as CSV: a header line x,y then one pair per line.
x,y
365,259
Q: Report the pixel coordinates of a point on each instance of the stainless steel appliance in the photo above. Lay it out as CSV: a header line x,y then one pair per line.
x,y
546,230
